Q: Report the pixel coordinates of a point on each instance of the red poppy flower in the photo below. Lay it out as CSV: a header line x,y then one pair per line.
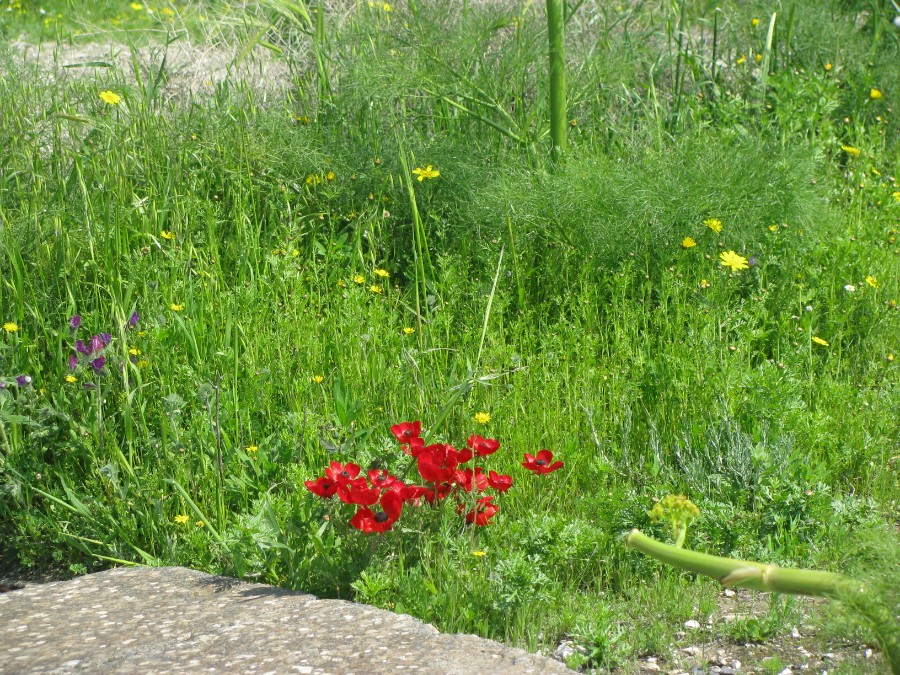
x,y
323,486
411,494
369,521
499,482
482,513
406,431
469,481
414,447
482,447
541,464
382,479
342,473
353,493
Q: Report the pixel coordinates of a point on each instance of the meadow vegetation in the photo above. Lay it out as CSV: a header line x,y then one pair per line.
x,y
273,286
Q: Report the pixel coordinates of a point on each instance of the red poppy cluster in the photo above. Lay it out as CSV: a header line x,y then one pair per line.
x,y
441,470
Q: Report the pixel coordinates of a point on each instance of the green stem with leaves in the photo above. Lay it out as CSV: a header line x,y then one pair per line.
x,y
762,577
556,30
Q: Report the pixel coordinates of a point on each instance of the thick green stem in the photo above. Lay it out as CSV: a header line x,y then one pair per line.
x,y
762,577
556,30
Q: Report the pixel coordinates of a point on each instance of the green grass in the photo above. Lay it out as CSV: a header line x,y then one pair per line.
x,y
646,367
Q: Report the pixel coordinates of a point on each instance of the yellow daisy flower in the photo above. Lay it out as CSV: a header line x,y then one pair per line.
x,y
872,281
10,327
409,331
176,307
688,242
166,234
819,341
850,150
182,519
733,260
714,224
110,97
874,94
482,417
428,172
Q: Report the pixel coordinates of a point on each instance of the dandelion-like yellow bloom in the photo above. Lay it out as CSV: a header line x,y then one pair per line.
x,y
358,279
329,175
387,7
136,6
200,523
134,351
166,234
741,60
773,228
714,224
828,67
872,281
313,179
819,341
874,94
143,363
252,448
482,417
896,195
850,150
375,288
688,242
182,519
175,307
427,172
110,97
754,23
10,327
384,274
479,554
409,330
704,283
71,379
758,58
318,379
733,260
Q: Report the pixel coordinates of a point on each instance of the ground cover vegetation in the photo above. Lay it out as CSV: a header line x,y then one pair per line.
x,y
216,303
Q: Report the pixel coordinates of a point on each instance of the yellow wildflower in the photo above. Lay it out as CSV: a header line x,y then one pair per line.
x,y
313,179
733,260
482,417
714,224
409,330
329,175
896,195
358,279
384,274
828,67
134,351
704,283
143,363
688,242
387,7
200,523
110,97
318,379
741,60
850,150
754,23
166,234
758,58
427,172
375,288
874,94
71,379
252,448
176,307
10,327
167,11
136,6
773,228
182,519
819,341
872,281
479,554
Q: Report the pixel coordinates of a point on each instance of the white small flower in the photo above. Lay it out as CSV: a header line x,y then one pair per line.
x,y
850,288
808,308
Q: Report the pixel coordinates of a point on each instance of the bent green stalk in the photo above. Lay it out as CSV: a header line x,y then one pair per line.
x,y
556,30
762,577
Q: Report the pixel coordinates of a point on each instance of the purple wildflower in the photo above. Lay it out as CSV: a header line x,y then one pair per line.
x,y
81,348
23,380
3,384
106,337
98,363
133,320
95,345
753,262
73,361
75,322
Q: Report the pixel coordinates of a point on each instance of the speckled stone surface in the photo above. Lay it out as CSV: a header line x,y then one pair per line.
x,y
174,620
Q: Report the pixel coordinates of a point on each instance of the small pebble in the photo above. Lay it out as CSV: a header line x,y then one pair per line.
x,y
868,653
786,671
795,634
692,624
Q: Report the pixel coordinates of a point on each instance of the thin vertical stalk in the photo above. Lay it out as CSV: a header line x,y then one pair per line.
x,y
556,31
